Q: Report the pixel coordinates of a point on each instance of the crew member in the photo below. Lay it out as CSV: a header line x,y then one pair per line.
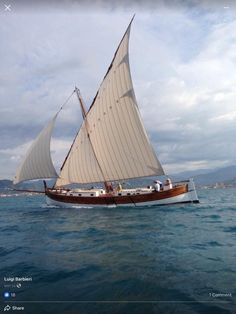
x,y
109,187
168,184
158,185
119,187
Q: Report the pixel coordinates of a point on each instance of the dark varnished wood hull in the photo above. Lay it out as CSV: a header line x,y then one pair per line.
x,y
115,200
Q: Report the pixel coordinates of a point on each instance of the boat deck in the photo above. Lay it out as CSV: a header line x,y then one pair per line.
x,y
102,192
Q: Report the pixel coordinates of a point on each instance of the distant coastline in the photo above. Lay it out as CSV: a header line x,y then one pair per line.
x,y
221,178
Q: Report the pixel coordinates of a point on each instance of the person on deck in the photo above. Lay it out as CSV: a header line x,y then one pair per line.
x,y
168,184
158,185
119,187
109,187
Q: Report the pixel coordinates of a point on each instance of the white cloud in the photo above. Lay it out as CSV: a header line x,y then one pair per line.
x,y
11,158
225,117
183,68
194,165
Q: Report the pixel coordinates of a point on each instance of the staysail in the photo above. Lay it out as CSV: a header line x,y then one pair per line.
x,y
37,163
112,143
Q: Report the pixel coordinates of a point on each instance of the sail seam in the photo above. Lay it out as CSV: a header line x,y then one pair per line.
x,y
116,144
129,104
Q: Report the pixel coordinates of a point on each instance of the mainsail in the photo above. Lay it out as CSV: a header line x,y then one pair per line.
x,y
37,163
112,143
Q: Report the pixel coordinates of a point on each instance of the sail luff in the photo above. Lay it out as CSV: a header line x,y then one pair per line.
x,y
37,163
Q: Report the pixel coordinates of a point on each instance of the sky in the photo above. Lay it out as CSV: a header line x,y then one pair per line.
x,y
183,66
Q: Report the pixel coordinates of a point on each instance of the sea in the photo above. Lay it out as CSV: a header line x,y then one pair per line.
x,y
161,259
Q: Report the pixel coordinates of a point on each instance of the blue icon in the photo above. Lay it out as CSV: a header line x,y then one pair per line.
x,y
6,294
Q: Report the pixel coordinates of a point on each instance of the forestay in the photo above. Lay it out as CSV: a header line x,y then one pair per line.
x,y
112,143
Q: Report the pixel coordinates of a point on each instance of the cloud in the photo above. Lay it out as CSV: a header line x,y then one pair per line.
x,y
225,117
182,63
190,113
10,158
195,165
123,4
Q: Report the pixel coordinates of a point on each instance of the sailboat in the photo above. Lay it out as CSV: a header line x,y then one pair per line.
x,y
111,146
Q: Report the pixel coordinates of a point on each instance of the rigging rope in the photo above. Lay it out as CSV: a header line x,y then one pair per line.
x,y
65,103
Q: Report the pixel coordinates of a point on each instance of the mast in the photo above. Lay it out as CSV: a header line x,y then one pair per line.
x,y
82,105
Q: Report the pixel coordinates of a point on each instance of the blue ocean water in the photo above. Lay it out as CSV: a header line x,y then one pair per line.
x,y
167,259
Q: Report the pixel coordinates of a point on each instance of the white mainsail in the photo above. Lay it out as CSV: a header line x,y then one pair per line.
x,y
37,163
112,143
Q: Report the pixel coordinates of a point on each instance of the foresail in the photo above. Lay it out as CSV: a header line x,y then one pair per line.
x,y
37,162
120,146
82,161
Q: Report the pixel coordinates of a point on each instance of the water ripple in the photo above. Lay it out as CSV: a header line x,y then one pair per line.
x,y
169,253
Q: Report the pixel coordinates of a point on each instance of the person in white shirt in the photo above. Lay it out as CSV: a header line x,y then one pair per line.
x,y
168,184
157,185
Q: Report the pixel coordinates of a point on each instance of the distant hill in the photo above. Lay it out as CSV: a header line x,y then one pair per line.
x,y
231,182
208,177
5,184
36,185
221,175
225,175
192,173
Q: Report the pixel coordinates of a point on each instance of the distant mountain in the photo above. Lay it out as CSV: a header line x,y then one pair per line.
x,y
36,185
225,175
5,184
192,173
221,175
230,182
208,177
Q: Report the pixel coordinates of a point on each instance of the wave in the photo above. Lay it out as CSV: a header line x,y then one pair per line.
x,y
230,229
16,195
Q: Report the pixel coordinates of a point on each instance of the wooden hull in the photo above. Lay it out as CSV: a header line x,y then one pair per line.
x,y
179,194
